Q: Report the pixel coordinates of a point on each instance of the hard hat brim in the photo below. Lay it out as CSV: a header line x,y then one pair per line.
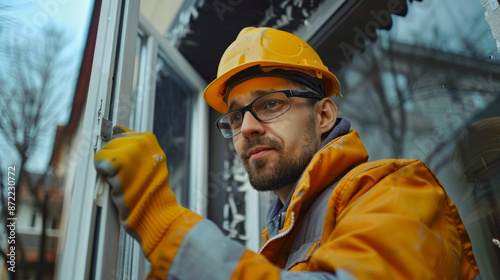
x,y
214,92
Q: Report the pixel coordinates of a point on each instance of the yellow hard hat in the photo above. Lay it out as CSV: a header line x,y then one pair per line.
x,y
267,47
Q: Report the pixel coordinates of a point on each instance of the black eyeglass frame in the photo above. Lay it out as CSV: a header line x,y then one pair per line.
x,y
288,92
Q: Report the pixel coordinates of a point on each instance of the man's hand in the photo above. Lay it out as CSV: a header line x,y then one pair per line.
x,y
135,167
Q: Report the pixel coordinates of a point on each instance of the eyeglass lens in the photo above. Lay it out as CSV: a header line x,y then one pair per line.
x,y
264,108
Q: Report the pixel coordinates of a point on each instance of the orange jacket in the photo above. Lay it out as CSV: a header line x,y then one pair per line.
x,y
388,219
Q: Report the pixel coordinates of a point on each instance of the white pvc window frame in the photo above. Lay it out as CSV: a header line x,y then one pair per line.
x,y
78,250
199,133
133,261
117,255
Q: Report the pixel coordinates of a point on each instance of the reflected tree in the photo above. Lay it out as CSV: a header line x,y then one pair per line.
x,y
418,96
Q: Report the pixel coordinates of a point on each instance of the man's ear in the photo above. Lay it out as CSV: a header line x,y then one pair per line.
x,y
327,115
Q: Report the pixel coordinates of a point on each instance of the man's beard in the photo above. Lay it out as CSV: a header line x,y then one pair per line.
x,y
287,170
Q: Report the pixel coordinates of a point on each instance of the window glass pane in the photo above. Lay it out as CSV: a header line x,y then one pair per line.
x,y
171,125
41,50
413,92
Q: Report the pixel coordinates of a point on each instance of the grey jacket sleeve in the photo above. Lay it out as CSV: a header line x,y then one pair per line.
x,y
206,253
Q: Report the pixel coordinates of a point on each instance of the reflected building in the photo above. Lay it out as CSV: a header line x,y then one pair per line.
x,y
33,193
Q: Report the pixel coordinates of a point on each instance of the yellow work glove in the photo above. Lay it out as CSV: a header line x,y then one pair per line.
x,y
135,167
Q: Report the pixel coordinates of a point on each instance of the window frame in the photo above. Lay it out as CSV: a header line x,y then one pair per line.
x,y
96,246
199,120
77,254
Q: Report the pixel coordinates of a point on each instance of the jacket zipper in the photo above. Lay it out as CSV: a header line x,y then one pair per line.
x,y
279,235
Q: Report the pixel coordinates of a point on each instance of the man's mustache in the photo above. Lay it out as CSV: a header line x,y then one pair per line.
x,y
260,141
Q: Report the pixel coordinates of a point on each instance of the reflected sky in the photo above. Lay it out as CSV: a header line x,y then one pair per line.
x,y
451,19
21,20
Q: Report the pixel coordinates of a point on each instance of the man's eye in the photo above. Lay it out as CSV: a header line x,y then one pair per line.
x,y
236,118
272,103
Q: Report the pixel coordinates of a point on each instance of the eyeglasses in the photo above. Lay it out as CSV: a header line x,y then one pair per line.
x,y
266,107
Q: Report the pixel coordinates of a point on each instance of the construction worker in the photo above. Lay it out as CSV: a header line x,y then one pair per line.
x,y
336,215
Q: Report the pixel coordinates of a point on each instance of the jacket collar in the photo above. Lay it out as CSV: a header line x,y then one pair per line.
x,y
334,158
342,127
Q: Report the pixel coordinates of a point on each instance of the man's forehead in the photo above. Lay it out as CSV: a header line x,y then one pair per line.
x,y
238,99
245,92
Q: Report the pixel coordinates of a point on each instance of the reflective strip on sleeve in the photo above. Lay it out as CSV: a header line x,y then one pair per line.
x,y
206,253
339,275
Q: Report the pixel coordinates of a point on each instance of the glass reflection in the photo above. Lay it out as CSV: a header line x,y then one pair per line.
x,y
171,125
413,92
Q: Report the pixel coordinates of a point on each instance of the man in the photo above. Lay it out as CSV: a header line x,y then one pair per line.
x,y
337,216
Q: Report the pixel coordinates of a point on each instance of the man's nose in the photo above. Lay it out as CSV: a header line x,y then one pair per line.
x,y
251,126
